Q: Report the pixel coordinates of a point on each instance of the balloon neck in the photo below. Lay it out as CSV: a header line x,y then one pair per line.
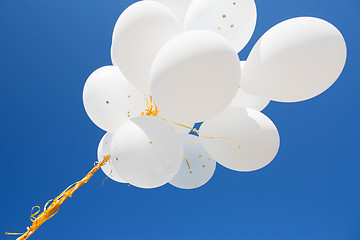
x,y
151,109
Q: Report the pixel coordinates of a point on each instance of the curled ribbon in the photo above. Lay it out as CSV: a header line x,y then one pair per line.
x,y
52,207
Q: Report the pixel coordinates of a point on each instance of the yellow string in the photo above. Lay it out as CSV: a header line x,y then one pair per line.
x,y
151,109
187,162
230,138
52,209
198,133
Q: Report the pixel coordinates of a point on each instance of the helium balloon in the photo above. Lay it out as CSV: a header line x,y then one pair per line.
x,y
295,60
195,76
198,167
104,150
243,99
110,99
241,139
141,30
146,152
234,20
179,7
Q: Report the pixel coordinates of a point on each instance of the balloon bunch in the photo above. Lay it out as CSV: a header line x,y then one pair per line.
x,y
175,63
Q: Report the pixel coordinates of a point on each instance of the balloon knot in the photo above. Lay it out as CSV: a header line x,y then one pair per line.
x,y
151,109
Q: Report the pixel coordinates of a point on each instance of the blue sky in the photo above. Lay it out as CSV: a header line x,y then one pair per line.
x,y
48,49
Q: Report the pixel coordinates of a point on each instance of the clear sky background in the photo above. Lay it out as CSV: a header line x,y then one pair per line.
x,y
47,51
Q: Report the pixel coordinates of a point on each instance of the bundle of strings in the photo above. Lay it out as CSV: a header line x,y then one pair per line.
x,y
52,209
151,108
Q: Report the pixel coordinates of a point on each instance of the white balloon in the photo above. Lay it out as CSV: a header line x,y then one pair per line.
x,y
198,169
295,60
179,7
109,99
243,99
146,152
249,140
195,76
104,150
234,20
140,32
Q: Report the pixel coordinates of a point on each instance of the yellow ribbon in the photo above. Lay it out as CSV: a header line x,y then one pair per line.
x,y
198,133
187,162
152,110
52,207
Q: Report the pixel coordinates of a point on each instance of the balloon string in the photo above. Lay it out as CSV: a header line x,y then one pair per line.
x,y
102,184
151,109
187,162
198,133
107,176
52,209
230,138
